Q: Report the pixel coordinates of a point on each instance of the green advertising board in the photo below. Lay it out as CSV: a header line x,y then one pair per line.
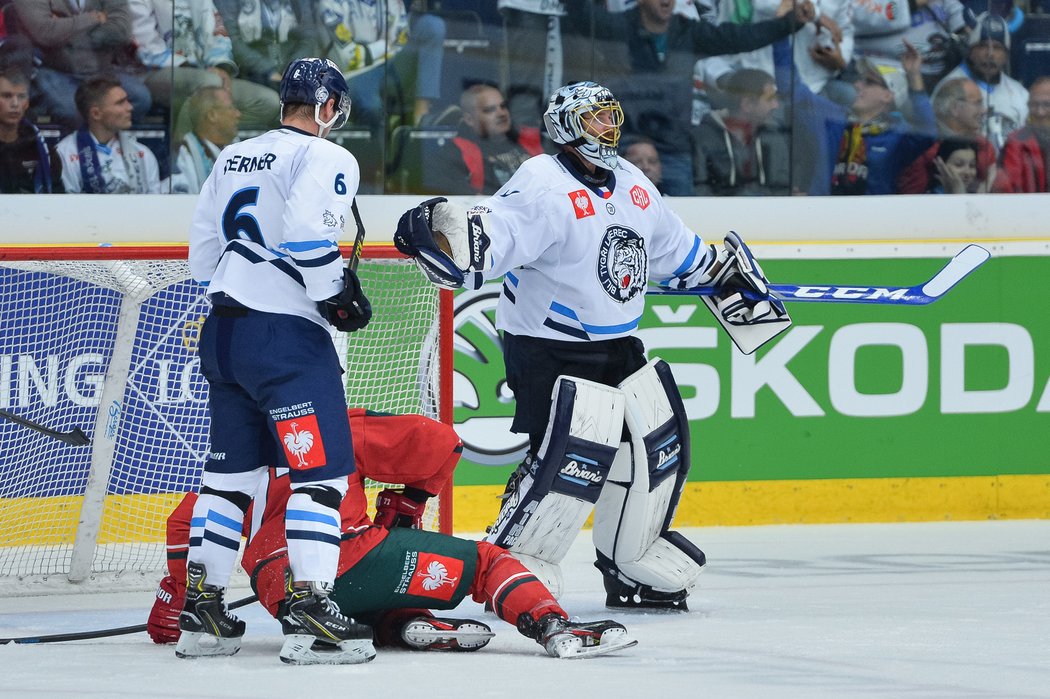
x,y
955,389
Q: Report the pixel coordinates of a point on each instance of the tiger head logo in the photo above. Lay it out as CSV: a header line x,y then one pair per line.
x,y
623,264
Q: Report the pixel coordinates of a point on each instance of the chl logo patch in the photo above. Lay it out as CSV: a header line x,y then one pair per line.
x,y
640,197
581,203
435,576
301,439
623,264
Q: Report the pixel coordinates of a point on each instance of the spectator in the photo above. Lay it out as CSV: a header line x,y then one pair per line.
x,y
101,157
27,165
641,152
195,52
1006,100
1025,154
822,48
79,40
956,168
267,35
936,28
959,109
735,150
651,52
488,148
214,121
862,149
375,42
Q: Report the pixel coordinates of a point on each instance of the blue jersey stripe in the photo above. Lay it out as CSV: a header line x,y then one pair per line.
x,y
307,245
690,258
319,261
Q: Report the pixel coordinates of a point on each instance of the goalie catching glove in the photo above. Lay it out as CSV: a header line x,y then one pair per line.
x,y
445,241
349,310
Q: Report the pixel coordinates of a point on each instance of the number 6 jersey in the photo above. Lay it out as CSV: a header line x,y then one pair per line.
x,y
268,222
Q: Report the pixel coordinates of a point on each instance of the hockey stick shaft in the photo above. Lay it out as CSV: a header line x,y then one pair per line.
x,y
359,239
74,437
970,258
103,633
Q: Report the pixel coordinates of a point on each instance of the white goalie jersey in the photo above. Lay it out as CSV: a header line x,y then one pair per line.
x,y
576,258
268,222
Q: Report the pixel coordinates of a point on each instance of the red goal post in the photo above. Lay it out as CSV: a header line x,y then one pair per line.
x,y
104,338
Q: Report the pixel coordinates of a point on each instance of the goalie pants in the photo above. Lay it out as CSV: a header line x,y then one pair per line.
x,y
405,572
534,364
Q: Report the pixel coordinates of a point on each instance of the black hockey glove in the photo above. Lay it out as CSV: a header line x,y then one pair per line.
x,y
349,310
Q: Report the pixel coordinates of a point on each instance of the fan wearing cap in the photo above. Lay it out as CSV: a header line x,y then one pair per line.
x,y
987,62
863,148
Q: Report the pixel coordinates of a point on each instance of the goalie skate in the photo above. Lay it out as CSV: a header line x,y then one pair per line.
x,y
432,633
317,633
565,639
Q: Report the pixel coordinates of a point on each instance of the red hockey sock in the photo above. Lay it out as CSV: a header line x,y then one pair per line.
x,y
510,587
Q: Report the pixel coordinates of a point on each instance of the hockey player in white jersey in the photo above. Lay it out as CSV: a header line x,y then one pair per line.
x,y
264,241
576,238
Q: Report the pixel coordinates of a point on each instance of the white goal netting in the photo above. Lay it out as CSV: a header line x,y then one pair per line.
x,y
109,346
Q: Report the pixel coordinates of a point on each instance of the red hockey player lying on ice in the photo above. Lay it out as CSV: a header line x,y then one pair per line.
x,y
391,571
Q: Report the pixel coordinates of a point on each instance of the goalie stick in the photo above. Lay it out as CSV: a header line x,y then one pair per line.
x,y
74,437
967,260
103,633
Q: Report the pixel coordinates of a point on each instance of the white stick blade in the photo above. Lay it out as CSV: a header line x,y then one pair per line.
x,y
970,258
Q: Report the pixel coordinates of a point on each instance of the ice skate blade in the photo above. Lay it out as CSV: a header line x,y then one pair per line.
x,y
301,649
466,637
571,647
197,644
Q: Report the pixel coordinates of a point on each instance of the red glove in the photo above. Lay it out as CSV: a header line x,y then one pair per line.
x,y
163,624
395,509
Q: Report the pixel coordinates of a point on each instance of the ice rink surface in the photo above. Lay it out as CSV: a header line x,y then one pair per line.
x,y
952,610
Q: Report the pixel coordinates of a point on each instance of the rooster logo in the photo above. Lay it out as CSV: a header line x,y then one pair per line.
x,y
299,443
435,576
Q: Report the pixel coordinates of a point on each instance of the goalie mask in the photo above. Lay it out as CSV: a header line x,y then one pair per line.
x,y
315,81
585,116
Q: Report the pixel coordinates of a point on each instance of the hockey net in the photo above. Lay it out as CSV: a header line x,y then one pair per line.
x,y
104,339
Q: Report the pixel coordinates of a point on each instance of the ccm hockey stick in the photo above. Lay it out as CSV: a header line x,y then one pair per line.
x,y
103,633
74,437
969,258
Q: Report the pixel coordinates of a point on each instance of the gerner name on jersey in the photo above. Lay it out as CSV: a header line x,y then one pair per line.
x,y
266,231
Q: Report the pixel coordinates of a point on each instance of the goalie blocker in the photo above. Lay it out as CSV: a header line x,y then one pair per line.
x,y
636,485
742,305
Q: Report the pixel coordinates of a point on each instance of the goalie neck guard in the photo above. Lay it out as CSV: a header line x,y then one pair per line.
x,y
586,117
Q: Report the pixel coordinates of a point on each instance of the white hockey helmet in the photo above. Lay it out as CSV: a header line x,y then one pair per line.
x,y
595,140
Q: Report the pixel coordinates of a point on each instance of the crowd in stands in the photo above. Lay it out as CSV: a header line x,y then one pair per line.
x,y
720,97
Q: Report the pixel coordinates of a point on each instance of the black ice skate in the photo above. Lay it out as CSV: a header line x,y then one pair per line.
x,y
562,638
622,595
317,633
432,633
207,627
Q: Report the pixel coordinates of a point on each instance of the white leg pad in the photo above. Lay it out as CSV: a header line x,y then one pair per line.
x,y
548,573
634,512
542,517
